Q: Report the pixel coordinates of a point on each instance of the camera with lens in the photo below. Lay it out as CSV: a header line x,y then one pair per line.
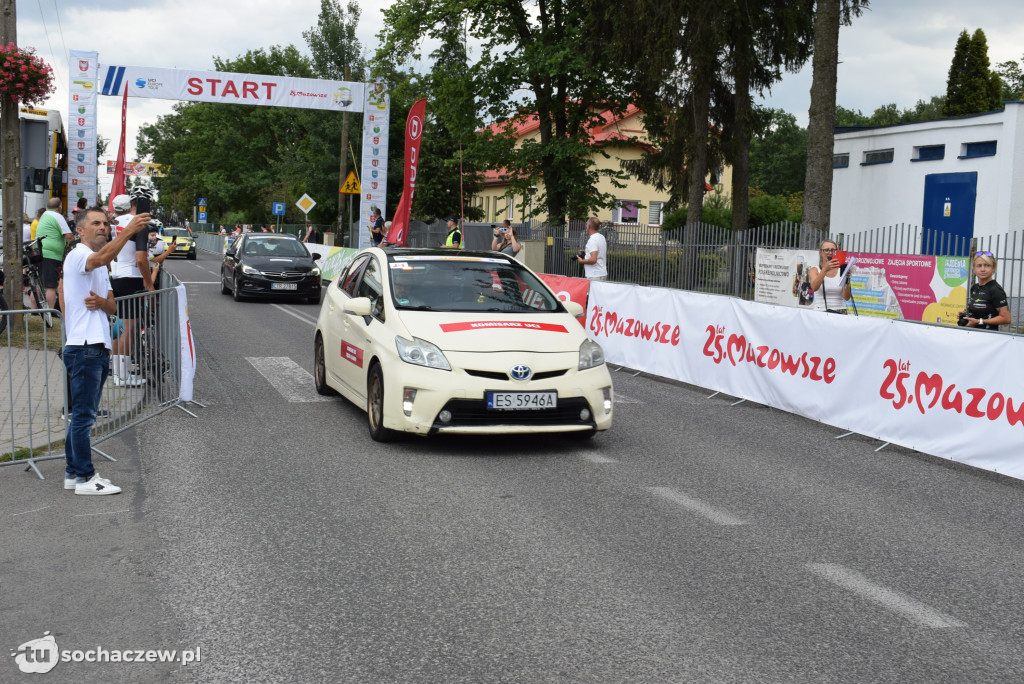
x,y
962,317
582,254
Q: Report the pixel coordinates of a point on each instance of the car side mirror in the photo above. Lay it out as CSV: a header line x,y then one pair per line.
x,y
575,309
359,306
316,256
230,253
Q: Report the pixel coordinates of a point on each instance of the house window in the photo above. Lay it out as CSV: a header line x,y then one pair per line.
x,y
626,211
654,213
929,153
511,207
878,157
978,149
841,161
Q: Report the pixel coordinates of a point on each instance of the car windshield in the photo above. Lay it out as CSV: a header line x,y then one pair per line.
x,y
274,247
445,283
176,232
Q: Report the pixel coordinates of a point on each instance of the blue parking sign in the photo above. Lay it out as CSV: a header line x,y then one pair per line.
x,y
278,208
202,217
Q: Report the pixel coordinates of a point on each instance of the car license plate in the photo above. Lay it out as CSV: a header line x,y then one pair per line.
x,y
517,401
283,286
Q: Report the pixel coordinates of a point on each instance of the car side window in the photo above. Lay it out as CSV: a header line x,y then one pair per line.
x,y
351,276
370,286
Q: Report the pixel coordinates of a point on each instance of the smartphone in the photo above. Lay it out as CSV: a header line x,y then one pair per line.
x,y
174,239
143,205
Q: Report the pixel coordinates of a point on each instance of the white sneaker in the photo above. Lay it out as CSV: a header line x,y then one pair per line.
x,y
71,482
96,486
132,380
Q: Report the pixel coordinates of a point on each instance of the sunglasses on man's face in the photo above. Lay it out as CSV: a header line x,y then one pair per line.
x,y
977,254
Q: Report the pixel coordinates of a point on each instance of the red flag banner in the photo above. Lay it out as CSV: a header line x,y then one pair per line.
x,y
118,186
413,141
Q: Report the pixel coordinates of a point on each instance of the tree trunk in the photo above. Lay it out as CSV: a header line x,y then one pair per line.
x,y
696,162
741,159
821,122
10,175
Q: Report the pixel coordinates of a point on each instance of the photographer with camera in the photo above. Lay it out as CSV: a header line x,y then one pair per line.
x,y
828,280
594,255
506,240
987,307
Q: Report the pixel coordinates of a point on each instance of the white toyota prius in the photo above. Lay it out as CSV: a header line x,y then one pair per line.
x,y
444,341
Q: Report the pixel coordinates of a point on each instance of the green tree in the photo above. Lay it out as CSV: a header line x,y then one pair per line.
x,y
1011,77
828,16
778,154
972,88
534,60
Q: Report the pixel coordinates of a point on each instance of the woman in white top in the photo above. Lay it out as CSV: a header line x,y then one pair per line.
x,y
826,279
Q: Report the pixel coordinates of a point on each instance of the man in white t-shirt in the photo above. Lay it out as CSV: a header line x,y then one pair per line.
x,y
595,253
87,300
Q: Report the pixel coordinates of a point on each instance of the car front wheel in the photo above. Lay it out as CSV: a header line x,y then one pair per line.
x,y
320,369
237,291
375,406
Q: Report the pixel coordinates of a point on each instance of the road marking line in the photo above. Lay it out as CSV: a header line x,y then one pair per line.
x,y
81,515
34,510
699,507
293,382
304,319
914,611
597,458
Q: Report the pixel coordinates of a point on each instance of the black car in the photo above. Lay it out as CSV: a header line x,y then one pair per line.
x,y
269,265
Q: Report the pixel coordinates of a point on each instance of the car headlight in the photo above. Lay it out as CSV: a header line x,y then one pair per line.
x,y
315,272
591,354
249,270
421,353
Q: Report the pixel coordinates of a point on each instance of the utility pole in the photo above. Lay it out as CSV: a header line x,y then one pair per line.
x,y
10,160
339,235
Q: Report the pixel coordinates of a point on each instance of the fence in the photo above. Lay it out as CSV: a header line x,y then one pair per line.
x,y
33,413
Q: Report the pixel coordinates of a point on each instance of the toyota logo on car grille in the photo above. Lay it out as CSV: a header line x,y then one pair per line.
x,y
520,372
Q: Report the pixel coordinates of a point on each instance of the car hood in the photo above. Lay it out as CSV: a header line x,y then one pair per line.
x,y
276,263
491,331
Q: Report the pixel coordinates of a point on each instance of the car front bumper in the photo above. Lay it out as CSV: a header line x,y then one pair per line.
x,y
258,285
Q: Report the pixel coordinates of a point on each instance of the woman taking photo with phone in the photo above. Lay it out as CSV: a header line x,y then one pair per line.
x,y
827,281
987,307
505,240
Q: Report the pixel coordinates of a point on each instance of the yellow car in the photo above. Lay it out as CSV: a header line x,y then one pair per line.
x,y
186,243
458,342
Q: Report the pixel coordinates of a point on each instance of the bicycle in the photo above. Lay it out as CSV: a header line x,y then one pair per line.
x,y
33,279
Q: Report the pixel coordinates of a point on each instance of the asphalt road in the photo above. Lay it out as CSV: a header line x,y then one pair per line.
x,y
694,542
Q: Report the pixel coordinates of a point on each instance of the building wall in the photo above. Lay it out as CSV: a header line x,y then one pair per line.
x,y
866,197
493,196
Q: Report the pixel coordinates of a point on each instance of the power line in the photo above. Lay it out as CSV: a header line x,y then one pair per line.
x,y
56,11
60,79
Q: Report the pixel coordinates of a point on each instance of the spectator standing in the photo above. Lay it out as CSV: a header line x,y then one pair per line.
x,y
130,275
87,299
595,254
453,240
56,234
506,240
377,232
987,306
35,222
26,229
828,281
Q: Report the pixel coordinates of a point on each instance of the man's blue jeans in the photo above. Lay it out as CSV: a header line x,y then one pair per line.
x,y
87,368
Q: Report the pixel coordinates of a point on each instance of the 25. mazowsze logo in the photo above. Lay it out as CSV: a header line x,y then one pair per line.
x,y
931,391
611,323
737,349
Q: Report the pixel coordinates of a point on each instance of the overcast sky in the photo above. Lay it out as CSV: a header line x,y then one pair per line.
x,y
898,51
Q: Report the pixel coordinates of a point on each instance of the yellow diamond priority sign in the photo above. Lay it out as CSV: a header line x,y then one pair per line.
x,y
306,204
351,185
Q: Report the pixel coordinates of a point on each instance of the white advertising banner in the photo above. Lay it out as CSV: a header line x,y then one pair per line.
x,y
188,347
913,385
82,67
374,180
231,88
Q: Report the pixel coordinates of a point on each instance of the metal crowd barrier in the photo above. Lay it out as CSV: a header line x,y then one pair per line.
x,y
32,415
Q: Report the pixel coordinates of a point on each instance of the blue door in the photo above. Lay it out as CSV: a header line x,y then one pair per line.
x,y
948,220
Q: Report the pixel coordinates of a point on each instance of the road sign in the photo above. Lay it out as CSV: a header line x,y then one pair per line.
x,y
306,204
351,185
278,209
202,201
202,217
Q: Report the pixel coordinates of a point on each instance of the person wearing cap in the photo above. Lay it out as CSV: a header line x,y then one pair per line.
x,y
454,238
130,274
